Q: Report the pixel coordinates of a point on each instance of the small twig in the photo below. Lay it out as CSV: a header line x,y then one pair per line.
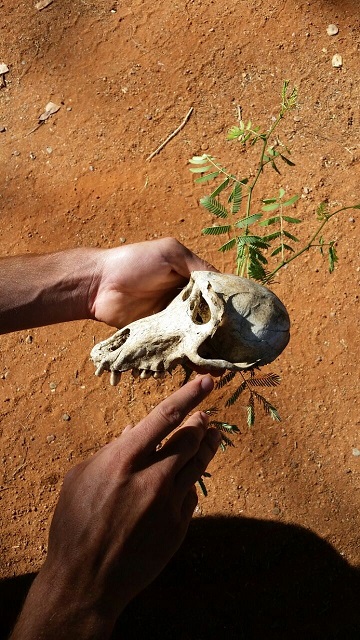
x,y
171,136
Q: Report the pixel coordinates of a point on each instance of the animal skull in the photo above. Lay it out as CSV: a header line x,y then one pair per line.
x,y
218,321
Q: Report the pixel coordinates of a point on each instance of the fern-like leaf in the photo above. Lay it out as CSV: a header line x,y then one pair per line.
x,y
250,409
207,177
214,206
265,380
216,230
224,426
267,406
230,401
256,241
222,186
236,198
228,245
226,442
225,379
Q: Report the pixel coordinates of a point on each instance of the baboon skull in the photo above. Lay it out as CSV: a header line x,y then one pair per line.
x,y
218,321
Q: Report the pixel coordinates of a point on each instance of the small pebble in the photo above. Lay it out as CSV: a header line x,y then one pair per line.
x,y
351,219
53,386
2,129
28,339
66,417
91,168
16,153
50,439
356,452
68,108
122,240
49,149
276,511
337,61
32,155
332,30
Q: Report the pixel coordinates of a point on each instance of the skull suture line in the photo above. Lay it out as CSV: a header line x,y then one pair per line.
x,y
218,321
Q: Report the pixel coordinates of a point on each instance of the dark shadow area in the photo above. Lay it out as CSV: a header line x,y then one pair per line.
x,y
237,578
245,579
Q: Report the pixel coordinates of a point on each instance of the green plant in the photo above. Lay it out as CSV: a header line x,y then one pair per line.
x,y
258,231
260,255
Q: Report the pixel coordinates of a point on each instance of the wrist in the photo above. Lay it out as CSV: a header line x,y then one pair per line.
x,y
57,607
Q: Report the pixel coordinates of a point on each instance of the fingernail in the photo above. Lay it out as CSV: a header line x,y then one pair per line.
x,y
204,418
207,384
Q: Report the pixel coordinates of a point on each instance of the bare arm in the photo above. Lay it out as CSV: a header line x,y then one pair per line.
x,y
115,286
37,290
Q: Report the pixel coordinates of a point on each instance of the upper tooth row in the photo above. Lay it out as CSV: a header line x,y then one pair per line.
x,y
146,373
115,376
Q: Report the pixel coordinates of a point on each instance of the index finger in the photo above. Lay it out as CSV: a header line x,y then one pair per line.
x,y
169,414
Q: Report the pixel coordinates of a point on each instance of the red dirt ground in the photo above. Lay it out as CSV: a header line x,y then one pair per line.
x,y
274,547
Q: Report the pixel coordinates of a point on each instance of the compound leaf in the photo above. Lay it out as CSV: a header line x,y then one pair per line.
x,y
287,160
236,198
225,379
216,230
214,206
332,257
291,201
292,220
266,223
228,245
272,236
220,188
246,222
270,207
251,411
201,169
265,380
208,177
230,401
290,236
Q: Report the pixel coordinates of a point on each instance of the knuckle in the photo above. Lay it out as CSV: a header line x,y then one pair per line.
x,y
170,414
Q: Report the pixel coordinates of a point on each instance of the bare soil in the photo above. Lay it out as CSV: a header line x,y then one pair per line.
x,y
274,549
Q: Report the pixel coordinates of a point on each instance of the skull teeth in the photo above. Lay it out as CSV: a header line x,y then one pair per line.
x,y
115,377
100,370
144,375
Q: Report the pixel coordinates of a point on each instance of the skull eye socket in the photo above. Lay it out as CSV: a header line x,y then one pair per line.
x,y
200,309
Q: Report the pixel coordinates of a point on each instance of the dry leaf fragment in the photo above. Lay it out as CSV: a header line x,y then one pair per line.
x,y
50,109
42,4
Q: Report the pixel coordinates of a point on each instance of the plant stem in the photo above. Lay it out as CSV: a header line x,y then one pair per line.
x,y
309,244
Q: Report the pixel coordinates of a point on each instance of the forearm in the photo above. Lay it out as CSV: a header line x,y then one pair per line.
x,y
37,290
53,611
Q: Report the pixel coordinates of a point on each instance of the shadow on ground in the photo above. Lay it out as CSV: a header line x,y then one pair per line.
x,y
238,578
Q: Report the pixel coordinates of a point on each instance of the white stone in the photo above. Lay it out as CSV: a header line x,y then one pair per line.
x,y
337,60
332,30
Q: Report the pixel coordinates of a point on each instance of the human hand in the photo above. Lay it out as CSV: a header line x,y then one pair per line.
x,y
137,280
120,517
